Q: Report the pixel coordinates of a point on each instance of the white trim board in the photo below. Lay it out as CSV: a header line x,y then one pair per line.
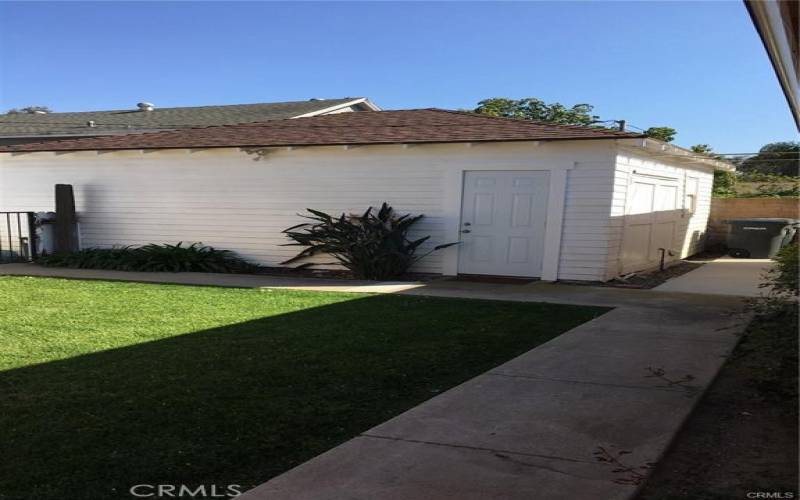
x,y
362,100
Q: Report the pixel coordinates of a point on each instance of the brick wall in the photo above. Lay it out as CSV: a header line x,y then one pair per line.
x,y
742,208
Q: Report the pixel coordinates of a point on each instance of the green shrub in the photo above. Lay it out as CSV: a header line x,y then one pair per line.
x,y
724,184
372,246
775,190
755,185
764,177
783,278
769,348
152,258
91,258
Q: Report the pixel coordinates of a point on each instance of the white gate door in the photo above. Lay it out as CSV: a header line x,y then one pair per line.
x,y
651,222
503,217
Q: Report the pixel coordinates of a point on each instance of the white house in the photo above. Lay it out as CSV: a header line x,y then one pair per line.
x,y
524,198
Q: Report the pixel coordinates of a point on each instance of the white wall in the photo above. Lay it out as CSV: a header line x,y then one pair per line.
x,y
691,228
224,199
585,239
229,199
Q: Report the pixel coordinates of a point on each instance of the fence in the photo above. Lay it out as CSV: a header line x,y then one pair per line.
x,y
742,208
17,237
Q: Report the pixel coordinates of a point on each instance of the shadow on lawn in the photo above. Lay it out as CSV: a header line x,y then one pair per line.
x,y
241,403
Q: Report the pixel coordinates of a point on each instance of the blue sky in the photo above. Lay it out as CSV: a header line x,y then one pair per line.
x,y
696,66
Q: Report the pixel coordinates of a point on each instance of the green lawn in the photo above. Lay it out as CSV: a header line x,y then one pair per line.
x,y
106,385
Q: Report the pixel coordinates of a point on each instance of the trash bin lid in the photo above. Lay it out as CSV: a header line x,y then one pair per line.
x,y
756,220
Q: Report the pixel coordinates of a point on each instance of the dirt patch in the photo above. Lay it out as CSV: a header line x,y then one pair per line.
x,y
655,278
743,436
645,280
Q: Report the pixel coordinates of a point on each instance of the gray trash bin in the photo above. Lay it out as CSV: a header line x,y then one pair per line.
x,y
759,238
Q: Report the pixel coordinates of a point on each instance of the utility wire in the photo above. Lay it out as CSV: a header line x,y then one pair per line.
x,y
796,156
634,126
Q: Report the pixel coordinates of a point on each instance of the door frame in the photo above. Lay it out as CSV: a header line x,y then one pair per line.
x,y
540,218
554,218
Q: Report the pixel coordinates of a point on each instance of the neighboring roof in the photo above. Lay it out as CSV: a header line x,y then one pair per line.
x,y
379,127
135,120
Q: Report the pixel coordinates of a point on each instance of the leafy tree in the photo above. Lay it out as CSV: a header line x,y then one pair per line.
x,y
703,149
724,181
666,134
531,108
782,158
752,184
29,110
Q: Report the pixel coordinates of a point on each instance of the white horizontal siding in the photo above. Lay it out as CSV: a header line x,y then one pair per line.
x,y
584,244
227,199
230,202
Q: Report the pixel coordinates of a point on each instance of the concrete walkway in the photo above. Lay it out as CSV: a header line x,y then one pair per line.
x,y
206,279
618,387
536,291
579,417
725,276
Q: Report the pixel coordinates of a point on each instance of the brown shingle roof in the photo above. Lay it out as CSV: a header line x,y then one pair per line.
x,y
379,127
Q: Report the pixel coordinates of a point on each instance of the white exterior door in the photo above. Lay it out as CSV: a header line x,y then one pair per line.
x,y
651,222
503,217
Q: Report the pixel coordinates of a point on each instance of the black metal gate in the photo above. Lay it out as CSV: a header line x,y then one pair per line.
x,y
17,237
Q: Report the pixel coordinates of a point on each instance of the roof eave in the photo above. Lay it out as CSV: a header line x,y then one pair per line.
x,y
327,144
772,29
654,147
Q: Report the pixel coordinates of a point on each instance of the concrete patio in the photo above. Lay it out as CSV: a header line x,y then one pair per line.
x,y
580,417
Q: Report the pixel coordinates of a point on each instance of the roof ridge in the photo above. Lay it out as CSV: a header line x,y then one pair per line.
x,y
299,119
321,101
523,120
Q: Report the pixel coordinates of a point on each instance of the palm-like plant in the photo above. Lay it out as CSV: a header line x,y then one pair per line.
x,y
374,245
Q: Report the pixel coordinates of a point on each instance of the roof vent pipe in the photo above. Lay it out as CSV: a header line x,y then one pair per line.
x,y
146,106
91,124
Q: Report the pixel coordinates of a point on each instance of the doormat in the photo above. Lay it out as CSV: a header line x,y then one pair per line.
x,y
500,280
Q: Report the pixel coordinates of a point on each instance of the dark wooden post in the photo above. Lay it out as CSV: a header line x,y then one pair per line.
x,y
33,239
65,230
